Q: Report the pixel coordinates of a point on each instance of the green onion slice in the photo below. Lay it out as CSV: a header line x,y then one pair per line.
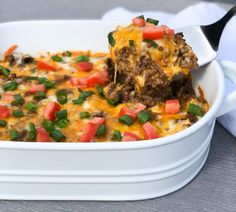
x,y
48,125
57,135
10,86
3,123
57,58
40,95
32,132
194,109
18,113
141,16
14,135
18,100
62,114
82,97
150,42
126,119
100,90
30,106
63,123
61,96
82,58
84,115
131,43
101,130
117,135
4,71
143,116
111,39
152,21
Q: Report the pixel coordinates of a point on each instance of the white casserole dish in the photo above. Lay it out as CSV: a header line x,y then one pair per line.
x,y
112,170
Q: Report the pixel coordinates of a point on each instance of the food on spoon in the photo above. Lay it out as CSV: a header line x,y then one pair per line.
x,y
147,60
141,90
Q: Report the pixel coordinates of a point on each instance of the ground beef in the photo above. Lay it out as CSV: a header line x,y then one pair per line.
x,y
12,60
192,118
27,59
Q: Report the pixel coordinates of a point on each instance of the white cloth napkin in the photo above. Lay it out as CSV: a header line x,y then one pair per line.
x,y
199,14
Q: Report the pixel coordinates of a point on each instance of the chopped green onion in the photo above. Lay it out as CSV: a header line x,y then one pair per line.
x,y
62,123
31,78
111,39
62,114
11,86
18,100
117,135
32,132
61,96
67,53
40,95
101,130
85,94
113,102
82,97
100,90
143,116
4,71
14,135
82,58
48,84
18,113
78,101
151,42
152,21
131,43
194,109
125,119
84,115
57,135
30,106
42,80
3,123
48,125
141,16
57,58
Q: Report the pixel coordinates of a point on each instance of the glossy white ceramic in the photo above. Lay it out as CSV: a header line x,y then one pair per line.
x,y
111,170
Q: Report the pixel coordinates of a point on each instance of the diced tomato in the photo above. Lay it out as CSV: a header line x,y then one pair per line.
x,y
128,136
8,97
153,32
37,87
41,65
9,51
42,135
127,111
172,106
133,113
99,77
98,120
50,110
138,22
4,112
80,82
89,132
150,131
168,30
84,66
139,107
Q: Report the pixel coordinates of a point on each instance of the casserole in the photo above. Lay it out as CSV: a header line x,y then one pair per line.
x,y
104,171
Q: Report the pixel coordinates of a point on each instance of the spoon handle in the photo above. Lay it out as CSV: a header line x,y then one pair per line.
x,y
214,31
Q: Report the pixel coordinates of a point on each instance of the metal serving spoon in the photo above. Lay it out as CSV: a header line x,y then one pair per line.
x,y
205,39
